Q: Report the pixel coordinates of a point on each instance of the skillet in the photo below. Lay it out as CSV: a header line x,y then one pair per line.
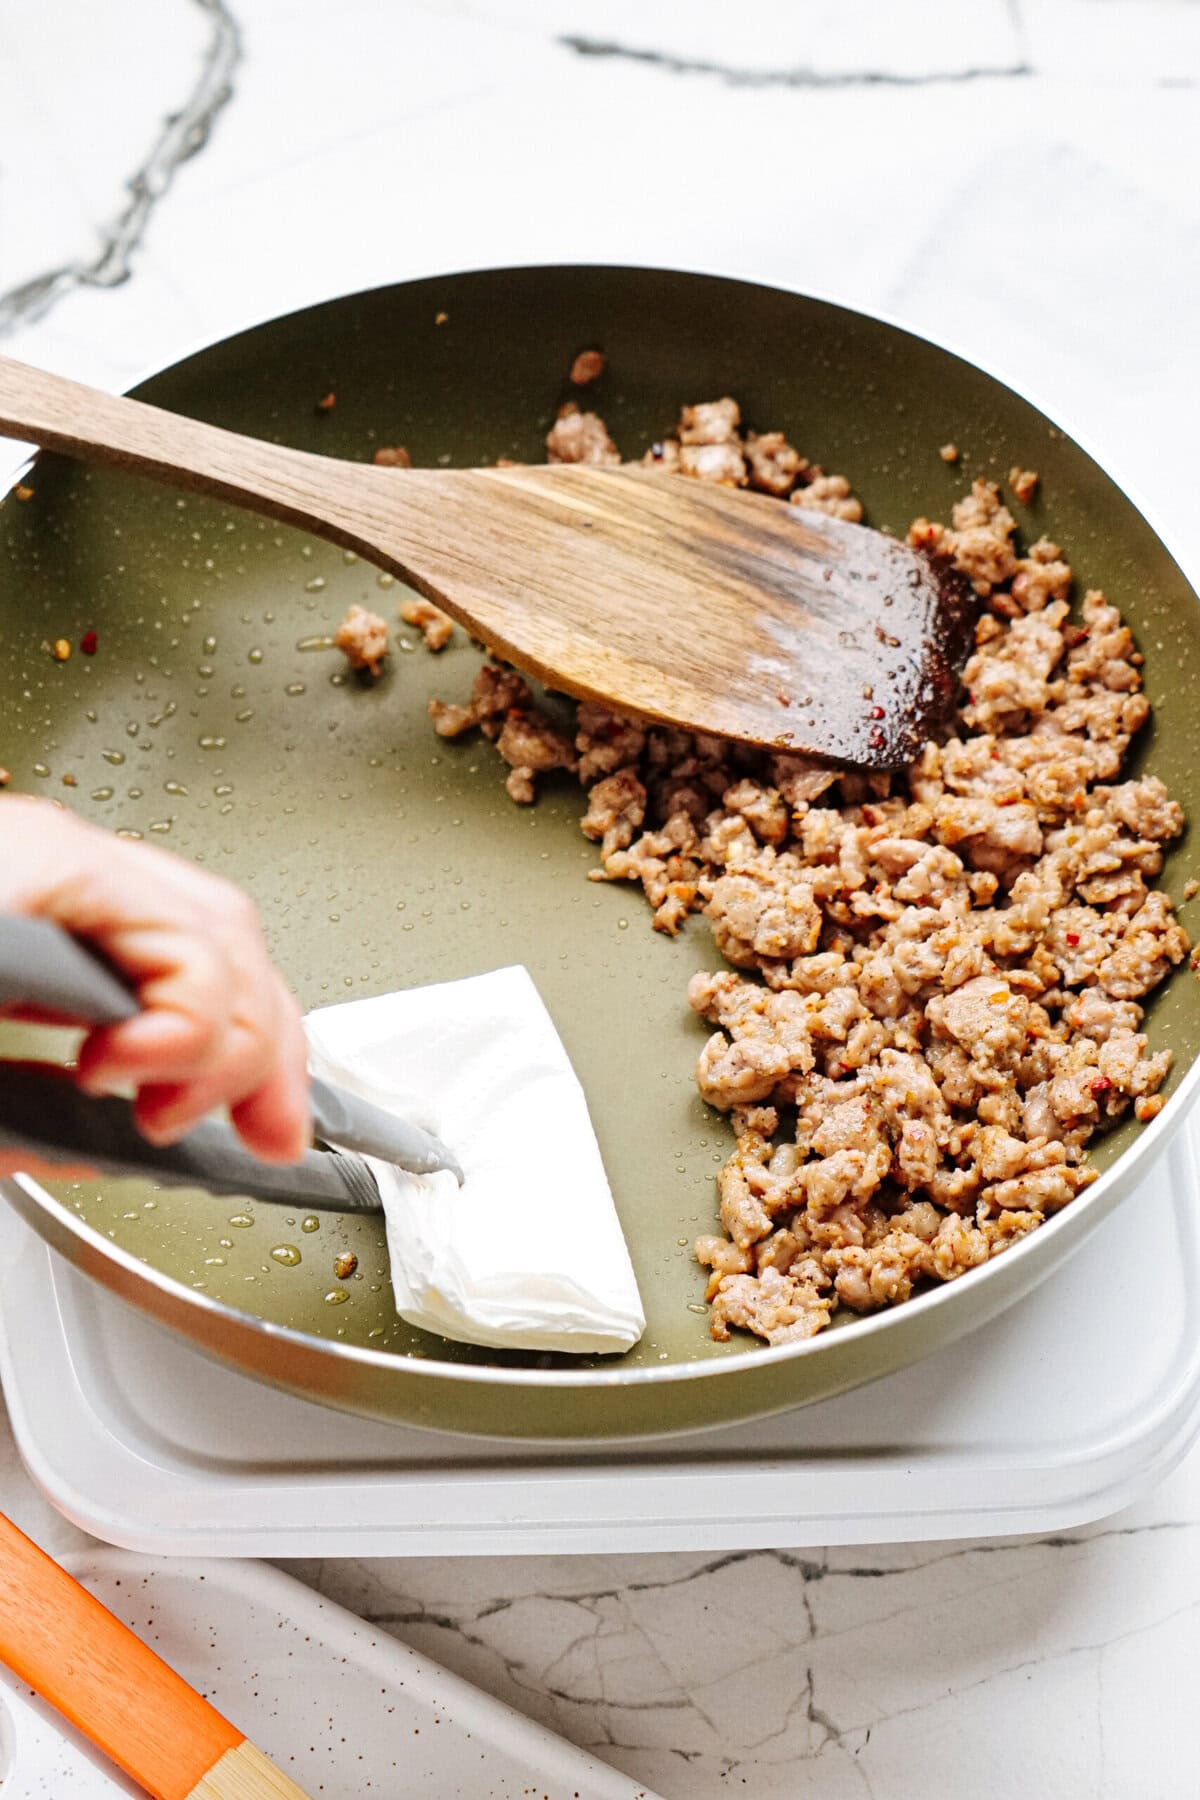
x,y
380,857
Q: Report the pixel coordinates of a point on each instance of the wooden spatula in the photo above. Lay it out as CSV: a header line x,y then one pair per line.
x,y
707,608
92,1669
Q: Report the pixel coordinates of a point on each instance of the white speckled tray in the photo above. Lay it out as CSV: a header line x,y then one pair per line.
x,y
342,1708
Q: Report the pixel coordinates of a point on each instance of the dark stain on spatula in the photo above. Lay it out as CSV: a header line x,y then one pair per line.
x,y
878,631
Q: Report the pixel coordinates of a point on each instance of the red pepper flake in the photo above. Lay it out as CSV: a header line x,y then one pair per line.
x,y
876,712
1101,1084
328,403
588,366
88,643
1072,938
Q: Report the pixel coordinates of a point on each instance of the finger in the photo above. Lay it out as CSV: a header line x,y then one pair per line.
x,y
263,1080
249,1054
166,1109
159,1044
276,1121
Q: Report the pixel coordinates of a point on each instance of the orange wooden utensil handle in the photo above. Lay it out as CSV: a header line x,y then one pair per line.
x,y
60,1640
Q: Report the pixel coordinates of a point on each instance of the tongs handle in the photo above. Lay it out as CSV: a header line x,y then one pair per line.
x,y
43,964
45,1116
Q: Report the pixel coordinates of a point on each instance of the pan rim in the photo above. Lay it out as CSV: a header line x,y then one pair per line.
x,y
1124,1172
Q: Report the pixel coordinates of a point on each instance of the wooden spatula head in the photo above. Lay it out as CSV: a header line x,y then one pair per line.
x,y
711,609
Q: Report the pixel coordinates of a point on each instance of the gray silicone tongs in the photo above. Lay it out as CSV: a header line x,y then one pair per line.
x,y
42,1111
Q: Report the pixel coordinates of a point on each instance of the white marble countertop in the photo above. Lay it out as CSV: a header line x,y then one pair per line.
x,y
1015,176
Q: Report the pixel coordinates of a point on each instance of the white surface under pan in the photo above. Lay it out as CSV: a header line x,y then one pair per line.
x,y
1061,1411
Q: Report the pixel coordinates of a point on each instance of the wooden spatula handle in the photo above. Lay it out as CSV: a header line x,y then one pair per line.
x,y
313,491
92,1669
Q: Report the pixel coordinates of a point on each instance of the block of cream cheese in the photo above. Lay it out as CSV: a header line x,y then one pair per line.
x,y
528,1254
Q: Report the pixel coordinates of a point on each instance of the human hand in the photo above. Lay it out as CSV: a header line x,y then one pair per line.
x,y
217,1025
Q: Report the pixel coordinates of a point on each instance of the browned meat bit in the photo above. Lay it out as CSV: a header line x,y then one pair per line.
x,y
980,538
392,456
1151,944
495,693
780,1308
5,777
710,444
1041,577
800,781
450,719
615,810
530,744
605,741
763,808
345,1265
588,366
435,626
723,464
1191,888
711,422
1023,483
579,437
829,494
949,453
664,862
362,637
774,465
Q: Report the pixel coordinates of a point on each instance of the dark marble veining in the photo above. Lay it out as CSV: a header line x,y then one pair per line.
x,y
795,77
181,135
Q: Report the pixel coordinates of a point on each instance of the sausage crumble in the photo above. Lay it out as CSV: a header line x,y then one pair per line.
x,y
933,993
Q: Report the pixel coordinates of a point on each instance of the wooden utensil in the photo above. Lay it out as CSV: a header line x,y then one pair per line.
x,y
707,608
112,1687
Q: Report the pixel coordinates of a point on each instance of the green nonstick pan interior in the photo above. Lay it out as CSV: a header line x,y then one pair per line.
x,y
213,720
